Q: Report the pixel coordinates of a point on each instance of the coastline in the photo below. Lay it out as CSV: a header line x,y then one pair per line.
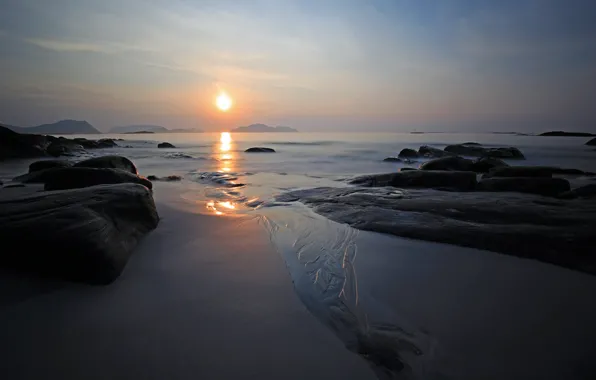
x,y
201,297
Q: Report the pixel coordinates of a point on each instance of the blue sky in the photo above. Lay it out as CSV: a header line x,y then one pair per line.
x,y
503,65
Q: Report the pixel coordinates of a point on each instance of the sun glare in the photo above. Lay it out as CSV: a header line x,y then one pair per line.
x,y
223,102
225,138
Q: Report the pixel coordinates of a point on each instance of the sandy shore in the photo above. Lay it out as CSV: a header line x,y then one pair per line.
x,y
203,297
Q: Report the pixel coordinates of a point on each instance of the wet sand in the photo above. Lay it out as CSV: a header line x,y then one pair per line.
x,y
202,298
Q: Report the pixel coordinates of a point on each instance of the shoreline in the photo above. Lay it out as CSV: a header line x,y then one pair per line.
x,y
202,296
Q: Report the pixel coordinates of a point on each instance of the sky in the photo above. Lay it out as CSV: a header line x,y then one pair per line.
x,y
316,65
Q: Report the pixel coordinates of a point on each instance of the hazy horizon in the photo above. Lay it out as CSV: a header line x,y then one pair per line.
x,y
383,65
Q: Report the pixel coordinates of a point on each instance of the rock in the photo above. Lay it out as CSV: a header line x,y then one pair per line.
x,y
567,134
479,151
392,159
1,183
551,230
165,145
260,150
472,143
109,162
107,143
486,164
48,164
448,163
591,142
79,177
587,191
170,178
532,185
429,151
408,153
17,145
84,235
450,180
64,147
407,169
531,171
14,185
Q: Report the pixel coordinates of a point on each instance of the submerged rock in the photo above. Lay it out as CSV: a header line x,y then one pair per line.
x,y
408,153
486,164
84,235
165,145
448,163
109,162
429,151
532,185
531,226
480,151
587,191
451,180
259,150
78,177
48,164
592,142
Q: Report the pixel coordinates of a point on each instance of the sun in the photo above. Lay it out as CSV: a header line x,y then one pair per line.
x,y
223,102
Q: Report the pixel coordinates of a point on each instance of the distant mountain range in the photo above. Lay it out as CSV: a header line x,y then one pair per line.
x,y
150,129
62,127
262,128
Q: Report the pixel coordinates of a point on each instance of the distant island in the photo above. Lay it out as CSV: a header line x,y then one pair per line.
x,y
62,127
260,128
567,134
137,133
127,129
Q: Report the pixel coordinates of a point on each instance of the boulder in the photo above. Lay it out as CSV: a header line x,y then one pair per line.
x,y
48,164
532,171
486,164
592,142
480,151
392,159
17,145
448,163
429,151
109,162
84,235
64,147
107,143
446,180
165,145
531,185
556,231
587,191
78,177
408,153
260,150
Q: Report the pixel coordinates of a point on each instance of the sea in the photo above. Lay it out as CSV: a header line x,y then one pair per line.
x,y
414,309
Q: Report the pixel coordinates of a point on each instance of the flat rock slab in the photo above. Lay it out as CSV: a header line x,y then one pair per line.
x,y
551,230
532,185
84,235
452,180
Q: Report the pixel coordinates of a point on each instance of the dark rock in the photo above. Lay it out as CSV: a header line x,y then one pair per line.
x,y
551,230
84,235
407,169
587,191
64,147
448,163
567,134
16,145
1,183
14,185
479,151
532,185
531,171
260,150
486,164
107,143
429,151
392,159
48,164
452,180
165,145
472,143
152,178
591,142
78,177
170,178
109,162
408,153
